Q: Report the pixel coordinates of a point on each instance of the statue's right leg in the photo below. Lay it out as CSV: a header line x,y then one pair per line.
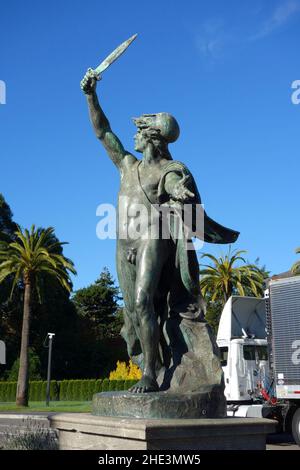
x,y
127,277
151,257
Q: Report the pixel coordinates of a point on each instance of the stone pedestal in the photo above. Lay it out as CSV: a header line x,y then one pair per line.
x,y
86,432
208,402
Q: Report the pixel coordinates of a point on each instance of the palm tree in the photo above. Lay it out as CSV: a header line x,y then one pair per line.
x,y
296,266
222,279
32,255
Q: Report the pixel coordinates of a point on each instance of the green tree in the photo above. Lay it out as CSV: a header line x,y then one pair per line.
x,y
213,313
34,368
228,275
223,278
7,225
98,303
296,266
31,255
10,307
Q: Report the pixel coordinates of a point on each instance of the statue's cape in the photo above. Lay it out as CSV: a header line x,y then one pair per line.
x,y
211,231
207,230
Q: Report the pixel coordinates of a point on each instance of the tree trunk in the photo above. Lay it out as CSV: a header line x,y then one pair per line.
x,y
23,378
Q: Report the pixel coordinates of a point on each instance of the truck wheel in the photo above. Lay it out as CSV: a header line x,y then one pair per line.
x,y
296,426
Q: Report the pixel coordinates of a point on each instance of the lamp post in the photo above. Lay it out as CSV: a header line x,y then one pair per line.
x,y
50,337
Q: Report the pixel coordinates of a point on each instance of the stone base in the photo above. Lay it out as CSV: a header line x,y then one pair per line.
x,y
209,402
86,432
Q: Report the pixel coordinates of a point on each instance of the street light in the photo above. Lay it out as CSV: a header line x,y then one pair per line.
x,y
50,338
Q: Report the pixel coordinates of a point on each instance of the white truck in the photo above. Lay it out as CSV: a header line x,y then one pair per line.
x,y
259,341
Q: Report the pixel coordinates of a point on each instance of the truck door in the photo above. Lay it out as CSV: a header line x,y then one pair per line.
x,y
256,357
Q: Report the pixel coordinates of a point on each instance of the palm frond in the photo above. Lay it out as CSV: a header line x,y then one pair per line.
x,y
33,252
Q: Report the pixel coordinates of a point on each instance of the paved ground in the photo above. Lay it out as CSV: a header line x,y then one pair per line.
x,y
281,441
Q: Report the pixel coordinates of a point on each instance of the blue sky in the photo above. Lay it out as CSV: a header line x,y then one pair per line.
x,y
224,69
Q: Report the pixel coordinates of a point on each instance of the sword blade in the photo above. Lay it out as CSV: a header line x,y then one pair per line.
x,y
114,55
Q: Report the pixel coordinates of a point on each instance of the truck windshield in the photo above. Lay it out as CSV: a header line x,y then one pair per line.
x,y
252,353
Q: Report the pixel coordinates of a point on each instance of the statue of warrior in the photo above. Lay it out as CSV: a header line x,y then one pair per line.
x,y
158,276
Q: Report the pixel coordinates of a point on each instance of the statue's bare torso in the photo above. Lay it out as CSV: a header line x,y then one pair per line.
x,y
144,178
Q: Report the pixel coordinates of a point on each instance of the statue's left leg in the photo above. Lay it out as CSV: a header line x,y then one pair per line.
x,y
151,257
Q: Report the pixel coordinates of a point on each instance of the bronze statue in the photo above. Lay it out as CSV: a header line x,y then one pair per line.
x,y
158,276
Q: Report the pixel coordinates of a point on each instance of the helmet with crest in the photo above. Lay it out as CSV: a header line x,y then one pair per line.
x,y
162,124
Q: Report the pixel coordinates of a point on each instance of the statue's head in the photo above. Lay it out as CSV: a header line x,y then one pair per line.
x,y
158,129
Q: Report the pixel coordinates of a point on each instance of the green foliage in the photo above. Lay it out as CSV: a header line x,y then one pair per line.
x,y
129,383
7,225
213,314
63,388
66,390
54,390
8,391
296,266
112,384
76,391
32,253
119,385
30,257
100,343
105,385
99,304
37,390
91,388
98,386
34,368
70,388
229,275
222,278
10,309
84,390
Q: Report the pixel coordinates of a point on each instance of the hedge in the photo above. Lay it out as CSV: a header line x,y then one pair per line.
x,y
64,390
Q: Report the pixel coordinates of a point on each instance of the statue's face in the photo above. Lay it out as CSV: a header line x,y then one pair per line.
x,y
140,142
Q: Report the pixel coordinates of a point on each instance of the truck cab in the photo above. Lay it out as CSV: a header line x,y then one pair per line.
x,y
242,340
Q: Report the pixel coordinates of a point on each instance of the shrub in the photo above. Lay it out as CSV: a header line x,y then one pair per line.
x,y
126,372
130,383
34,368
84,390
92,389
105,385
63,390
98,386
54,390
119,385
69,395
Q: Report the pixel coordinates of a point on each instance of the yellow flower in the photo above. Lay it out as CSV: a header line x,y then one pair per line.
x,y
126,372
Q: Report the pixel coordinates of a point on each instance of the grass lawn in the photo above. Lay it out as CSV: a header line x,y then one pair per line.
x,y
56,406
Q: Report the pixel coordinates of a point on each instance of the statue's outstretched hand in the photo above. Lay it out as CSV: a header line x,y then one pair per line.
x,y
89,82
180,192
